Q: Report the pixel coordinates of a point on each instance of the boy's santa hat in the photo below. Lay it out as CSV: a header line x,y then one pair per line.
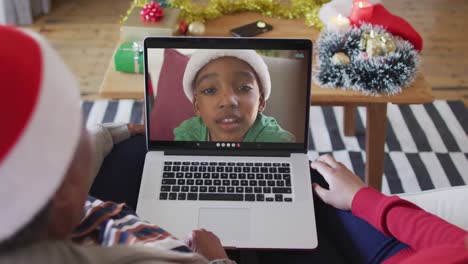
x,y
41,126
202,57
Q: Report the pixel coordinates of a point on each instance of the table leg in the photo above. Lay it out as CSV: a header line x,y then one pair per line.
x,y
349,120
375,143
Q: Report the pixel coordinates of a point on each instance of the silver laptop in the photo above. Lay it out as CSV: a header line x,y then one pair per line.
x,y
226,122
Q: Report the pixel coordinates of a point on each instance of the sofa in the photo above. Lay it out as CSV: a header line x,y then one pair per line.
x,y
450,203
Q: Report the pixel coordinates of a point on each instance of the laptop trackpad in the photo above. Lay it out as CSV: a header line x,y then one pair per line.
x,y
227,224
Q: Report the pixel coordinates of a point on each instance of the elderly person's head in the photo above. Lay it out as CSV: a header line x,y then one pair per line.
x,y
45,152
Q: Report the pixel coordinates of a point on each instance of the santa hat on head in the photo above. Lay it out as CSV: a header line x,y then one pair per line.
x,y
202,57
41,126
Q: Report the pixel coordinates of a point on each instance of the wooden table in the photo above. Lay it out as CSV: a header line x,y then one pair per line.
x,y
131,86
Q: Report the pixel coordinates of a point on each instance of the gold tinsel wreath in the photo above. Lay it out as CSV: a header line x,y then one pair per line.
x,y
307,9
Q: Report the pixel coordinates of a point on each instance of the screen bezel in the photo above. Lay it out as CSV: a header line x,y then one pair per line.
x,y
227,43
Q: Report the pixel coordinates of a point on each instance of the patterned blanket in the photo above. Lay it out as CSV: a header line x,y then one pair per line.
x,y
109,224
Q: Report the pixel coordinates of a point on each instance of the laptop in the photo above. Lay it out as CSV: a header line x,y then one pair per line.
x,y
226,125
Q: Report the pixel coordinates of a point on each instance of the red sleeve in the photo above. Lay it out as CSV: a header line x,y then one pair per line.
x,y
405,221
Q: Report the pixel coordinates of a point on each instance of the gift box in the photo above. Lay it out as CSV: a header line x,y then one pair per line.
x,y
136,29
129,57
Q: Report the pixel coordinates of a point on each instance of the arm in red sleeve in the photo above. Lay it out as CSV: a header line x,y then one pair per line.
x,y
405,221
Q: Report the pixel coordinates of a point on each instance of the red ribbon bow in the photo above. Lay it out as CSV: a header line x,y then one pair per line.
x,y
152,12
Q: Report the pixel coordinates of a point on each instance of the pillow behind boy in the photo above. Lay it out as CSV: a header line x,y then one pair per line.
x,y
171,106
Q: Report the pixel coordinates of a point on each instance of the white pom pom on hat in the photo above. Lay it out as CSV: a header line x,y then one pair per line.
x,y
41,126
202,57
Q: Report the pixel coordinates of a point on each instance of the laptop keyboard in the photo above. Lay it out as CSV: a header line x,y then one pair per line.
x,y
226,181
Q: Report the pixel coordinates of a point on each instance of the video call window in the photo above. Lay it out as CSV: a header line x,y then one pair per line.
x,y
212,95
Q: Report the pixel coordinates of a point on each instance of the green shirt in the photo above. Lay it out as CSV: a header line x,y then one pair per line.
x,y
264,129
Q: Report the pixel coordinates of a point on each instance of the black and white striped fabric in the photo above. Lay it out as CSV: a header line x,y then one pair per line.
x,y
426,145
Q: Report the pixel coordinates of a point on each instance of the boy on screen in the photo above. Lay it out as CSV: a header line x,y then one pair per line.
x,y
229,89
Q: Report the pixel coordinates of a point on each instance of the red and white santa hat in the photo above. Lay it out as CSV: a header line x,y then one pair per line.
x,y
204,56
40,126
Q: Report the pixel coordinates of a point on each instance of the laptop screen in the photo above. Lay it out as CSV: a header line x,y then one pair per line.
x,y
247,95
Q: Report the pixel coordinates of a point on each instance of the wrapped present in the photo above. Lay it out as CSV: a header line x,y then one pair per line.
x,y
129,57
136,29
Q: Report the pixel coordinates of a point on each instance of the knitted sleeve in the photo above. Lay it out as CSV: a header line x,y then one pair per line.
x,y
103,137
405,221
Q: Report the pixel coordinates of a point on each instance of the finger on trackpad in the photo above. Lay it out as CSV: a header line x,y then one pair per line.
x,y
227,224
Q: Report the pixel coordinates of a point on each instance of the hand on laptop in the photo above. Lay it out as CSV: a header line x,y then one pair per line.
x,y
136,129
207,244
343,183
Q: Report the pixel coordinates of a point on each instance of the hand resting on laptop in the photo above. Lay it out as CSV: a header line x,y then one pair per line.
x,y
207,244
396,218
343,183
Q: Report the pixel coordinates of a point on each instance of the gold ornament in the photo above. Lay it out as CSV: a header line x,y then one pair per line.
x,y
307,9
196,28
377,44
340,58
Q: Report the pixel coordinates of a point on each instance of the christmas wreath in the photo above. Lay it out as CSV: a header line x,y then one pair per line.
x,y
366,59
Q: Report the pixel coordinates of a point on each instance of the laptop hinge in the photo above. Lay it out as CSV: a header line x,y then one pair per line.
x,y
201,152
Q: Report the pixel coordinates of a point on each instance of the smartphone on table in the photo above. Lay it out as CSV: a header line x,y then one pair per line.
x,y
251,29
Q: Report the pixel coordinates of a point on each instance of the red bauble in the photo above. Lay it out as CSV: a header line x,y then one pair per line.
x,y
151,12
183,27
378,15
